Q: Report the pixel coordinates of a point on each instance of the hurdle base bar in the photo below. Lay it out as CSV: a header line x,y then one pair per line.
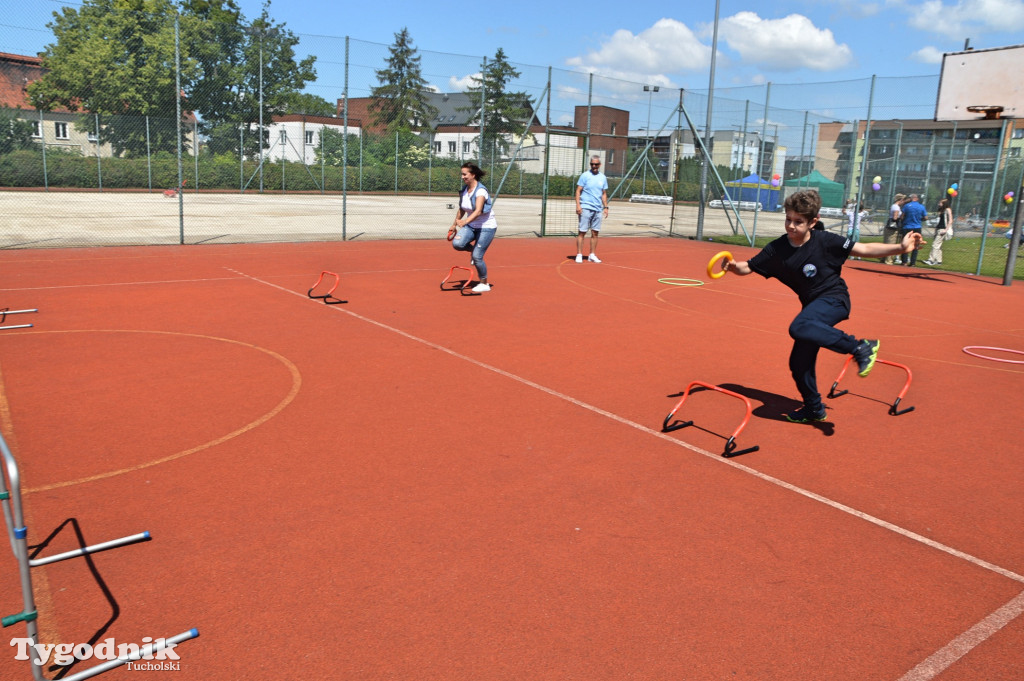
x,y
145,653
328,298
94,548
730,444
894,409
3,318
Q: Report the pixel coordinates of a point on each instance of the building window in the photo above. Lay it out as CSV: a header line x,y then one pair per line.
x,y
437,147
284,136
37,129
452,147
92,137
611,155
613,127
61,131
309,137
465,147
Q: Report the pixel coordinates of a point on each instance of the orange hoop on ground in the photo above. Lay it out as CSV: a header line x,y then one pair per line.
x,y
968,349
721,255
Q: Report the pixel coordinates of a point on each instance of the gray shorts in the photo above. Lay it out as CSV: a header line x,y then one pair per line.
x,y
590,220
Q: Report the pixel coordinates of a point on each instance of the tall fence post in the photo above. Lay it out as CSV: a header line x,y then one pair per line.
x,y
177,124
991,194
344,152
99,165
42,140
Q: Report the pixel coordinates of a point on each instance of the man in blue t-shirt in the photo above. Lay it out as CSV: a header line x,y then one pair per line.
x,y
810,262
591,206
914,215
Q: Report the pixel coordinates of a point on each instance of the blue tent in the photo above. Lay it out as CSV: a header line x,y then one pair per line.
x,y
753,188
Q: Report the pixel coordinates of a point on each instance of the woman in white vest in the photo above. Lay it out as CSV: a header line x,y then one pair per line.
x,y
474,222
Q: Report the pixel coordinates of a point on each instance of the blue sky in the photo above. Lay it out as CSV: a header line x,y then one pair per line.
x,y
658,43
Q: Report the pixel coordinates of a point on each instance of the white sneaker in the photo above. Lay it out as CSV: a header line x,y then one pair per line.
x,y
481,288
593,258
579,257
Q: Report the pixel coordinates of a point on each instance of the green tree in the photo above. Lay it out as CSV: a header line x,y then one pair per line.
x,y
505,114
113,57
313,105
15,133
116,58
399,101
331,150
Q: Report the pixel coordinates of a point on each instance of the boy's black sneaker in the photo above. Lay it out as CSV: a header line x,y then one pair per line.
x,y
805,415
866,354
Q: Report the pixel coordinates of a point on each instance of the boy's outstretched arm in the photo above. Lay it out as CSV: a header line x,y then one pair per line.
x,y
911,242
740,268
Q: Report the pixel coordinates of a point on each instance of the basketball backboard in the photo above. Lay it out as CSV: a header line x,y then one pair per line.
x,y
978,84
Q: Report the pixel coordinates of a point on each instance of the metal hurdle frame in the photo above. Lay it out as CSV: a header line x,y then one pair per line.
x,y
3,317
10,499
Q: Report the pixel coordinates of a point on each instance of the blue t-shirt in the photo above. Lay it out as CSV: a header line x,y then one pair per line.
x,y
913,215
811,270
594,184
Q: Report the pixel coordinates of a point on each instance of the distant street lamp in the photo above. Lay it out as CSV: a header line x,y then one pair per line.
x,y
651,89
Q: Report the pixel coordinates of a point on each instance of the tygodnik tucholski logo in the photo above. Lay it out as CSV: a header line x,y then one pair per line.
x,y
153,654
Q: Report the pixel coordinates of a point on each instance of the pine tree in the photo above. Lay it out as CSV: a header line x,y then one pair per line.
x,y
505,114
400,102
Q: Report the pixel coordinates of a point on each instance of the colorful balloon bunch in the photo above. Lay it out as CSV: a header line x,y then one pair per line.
x,y
776,180
953,190
876,183
1008,197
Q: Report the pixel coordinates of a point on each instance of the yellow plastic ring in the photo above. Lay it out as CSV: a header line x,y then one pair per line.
x,y
680,281
726,255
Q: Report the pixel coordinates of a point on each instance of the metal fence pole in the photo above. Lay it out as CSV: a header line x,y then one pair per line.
x,y
991,194
344,153
177,123
149,156
760,162
42,139
99,165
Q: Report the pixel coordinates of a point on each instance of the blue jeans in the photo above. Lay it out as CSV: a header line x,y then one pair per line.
x,y
477,240
812,329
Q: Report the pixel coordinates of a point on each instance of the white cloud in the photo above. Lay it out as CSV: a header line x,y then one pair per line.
x,y
669,46
463,84
792,42
967,17
927,55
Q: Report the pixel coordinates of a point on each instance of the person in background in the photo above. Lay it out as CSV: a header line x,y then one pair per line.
x,y
591,206
943,231
891,231
914,215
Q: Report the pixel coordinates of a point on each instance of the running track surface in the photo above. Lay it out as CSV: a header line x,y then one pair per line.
x,y
422,485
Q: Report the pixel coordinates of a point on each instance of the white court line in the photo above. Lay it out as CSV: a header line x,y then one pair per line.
x,y
958,647
944,657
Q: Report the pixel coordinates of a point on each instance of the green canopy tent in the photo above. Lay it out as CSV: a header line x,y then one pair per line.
x,y
832,193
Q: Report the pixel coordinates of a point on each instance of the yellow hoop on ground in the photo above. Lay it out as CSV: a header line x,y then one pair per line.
x,y
714,260
680,281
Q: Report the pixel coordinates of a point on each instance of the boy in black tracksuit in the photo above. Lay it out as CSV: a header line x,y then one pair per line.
x,y
809,262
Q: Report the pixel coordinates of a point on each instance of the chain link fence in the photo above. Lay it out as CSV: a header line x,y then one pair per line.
x,y
279,136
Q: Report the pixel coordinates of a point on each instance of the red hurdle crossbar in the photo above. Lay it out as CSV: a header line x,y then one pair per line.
x,y
328,297
730,444
460,285
894,409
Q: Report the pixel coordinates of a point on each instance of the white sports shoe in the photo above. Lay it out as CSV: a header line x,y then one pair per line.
x,y
481,288
593,258
579,257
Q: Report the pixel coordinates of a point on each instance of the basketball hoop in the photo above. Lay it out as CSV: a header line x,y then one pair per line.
x,y
991,113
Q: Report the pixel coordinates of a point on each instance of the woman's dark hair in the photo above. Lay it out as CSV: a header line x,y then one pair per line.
x,y
475,169
943,204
